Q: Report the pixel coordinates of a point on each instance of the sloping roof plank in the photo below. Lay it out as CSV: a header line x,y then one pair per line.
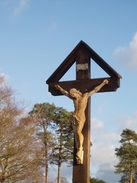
x,y
71,58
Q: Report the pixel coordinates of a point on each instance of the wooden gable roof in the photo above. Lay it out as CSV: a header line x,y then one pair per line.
x,y
71,58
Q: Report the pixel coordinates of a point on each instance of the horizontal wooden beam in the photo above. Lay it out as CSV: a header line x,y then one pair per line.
x,y
85,85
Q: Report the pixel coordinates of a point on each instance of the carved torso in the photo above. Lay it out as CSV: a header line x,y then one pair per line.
x,y
80,104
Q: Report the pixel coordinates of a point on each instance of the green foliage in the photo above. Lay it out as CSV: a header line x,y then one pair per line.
x,y
63,149
54,121
93,180
44,113
55,134
127,154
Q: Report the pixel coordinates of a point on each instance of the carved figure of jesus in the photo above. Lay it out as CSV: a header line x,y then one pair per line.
x,y
78,118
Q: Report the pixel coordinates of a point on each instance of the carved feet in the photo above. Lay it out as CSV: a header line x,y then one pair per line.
x,y
79,157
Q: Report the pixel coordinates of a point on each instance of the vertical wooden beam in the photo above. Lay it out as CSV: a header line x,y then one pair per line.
x,y
81,173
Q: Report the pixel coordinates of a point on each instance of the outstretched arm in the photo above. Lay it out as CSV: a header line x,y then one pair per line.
x,y
64,92
97,88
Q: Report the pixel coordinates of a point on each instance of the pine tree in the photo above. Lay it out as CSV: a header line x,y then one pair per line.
x,y
44,114
63,149
55,134
127,154
93,180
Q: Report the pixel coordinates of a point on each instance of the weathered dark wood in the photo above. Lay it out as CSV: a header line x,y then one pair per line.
x,y
85,85
72,58
82,54
81,173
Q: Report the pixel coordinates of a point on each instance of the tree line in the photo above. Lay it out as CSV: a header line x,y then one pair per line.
x,y
31,141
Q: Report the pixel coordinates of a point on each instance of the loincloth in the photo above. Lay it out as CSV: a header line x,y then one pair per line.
x,y
75,120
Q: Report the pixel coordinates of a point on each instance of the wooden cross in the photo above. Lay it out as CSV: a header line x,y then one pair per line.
x,y
82,55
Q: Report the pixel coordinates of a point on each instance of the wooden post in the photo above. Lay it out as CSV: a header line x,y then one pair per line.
x,y
82,54
81,173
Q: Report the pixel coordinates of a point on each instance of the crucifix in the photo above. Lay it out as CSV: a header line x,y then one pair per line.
x,y
79,91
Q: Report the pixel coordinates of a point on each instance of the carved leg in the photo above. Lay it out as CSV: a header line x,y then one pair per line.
x,y
75,126
80,140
